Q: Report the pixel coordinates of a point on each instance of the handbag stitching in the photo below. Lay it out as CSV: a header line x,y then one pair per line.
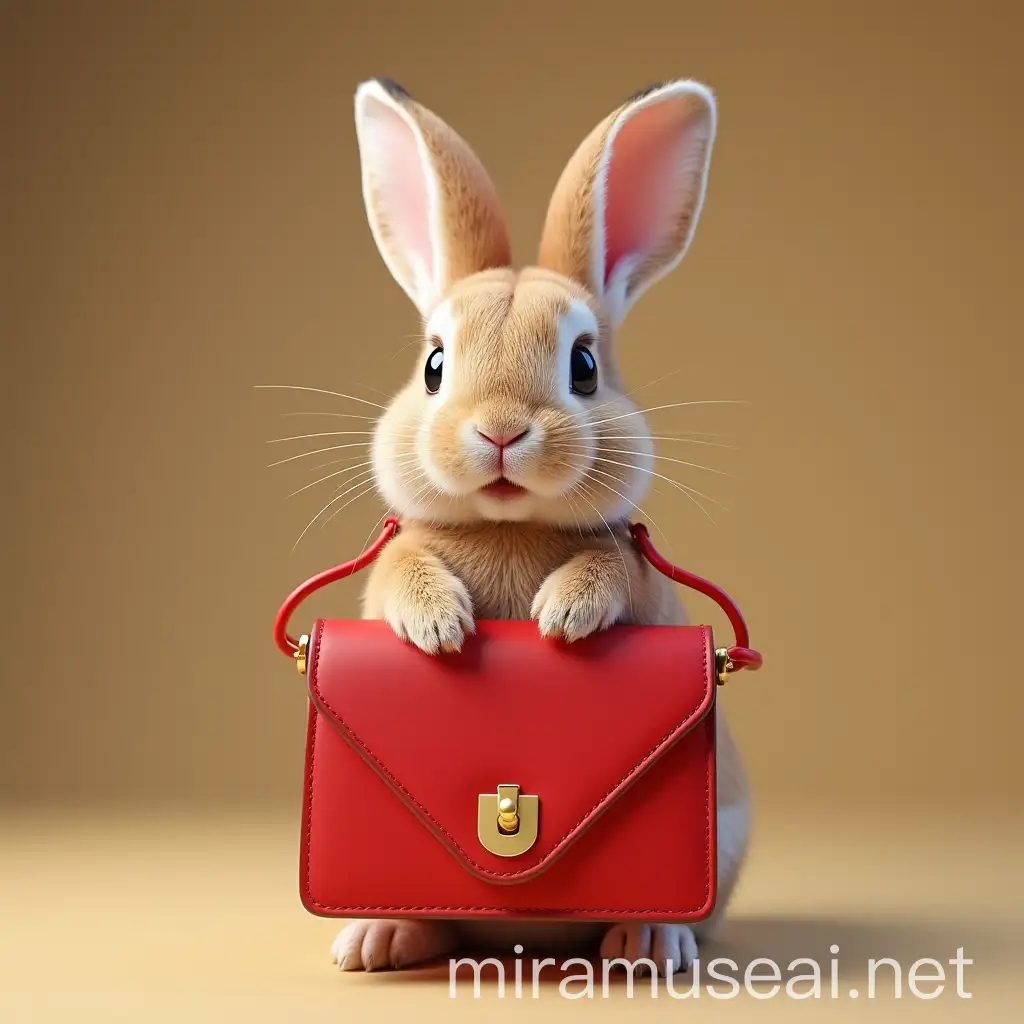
x,y
451,839
535,869
585,912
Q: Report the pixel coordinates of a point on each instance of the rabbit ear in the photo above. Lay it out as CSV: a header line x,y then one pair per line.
x,y
432,208
627,204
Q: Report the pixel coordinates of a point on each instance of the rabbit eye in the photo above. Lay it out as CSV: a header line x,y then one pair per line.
x,y
584,371
432,370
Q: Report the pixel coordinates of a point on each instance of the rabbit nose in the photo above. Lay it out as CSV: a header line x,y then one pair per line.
x,y
503,440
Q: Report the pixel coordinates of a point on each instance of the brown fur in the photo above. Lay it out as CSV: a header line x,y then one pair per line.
x,y
567,238
476,236
503,566
568,560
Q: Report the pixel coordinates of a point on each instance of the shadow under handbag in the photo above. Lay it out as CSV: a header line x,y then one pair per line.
x,y
520,777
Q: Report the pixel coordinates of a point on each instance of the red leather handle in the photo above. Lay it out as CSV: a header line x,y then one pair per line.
x,y
287,644
741,655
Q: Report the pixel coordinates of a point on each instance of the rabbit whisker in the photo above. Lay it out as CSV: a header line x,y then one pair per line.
x,y
666,458
614,491
321,391
672,405
334,462
594,469
416,339
346,469
320,451
663,437
373,528
330,476
348,459
337,497
339,415
337,433
572,509
328,433
362,494
630,394
689,491
421,490
630,502
615,541
376,391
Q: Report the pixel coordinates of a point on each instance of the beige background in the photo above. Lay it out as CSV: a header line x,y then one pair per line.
x,y
183,221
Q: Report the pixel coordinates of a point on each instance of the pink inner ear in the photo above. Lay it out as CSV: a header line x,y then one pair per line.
x,y
401,186
644,182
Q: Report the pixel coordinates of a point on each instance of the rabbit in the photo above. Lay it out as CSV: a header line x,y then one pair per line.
x,y
495,454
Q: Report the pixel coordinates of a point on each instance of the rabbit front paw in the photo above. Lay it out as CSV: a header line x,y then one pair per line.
x,y
428,606
585,595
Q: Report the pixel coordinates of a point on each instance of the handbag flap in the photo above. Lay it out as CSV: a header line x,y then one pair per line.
x,y
576,724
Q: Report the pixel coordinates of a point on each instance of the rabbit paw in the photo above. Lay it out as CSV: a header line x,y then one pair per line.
x,y
585,595
384,945
670,947
429,606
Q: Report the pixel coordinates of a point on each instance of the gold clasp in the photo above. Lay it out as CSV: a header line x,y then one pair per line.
x,y
723,665
507,821
508,815
300,654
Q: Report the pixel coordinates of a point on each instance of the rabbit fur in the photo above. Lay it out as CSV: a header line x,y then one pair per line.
x,y
513,479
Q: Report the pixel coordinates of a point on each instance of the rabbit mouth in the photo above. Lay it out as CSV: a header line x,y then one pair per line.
x,y
503,489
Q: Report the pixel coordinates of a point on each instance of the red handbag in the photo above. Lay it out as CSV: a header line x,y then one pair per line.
x,y
520,777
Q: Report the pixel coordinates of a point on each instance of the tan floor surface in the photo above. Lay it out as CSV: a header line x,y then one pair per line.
x,y
193,920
